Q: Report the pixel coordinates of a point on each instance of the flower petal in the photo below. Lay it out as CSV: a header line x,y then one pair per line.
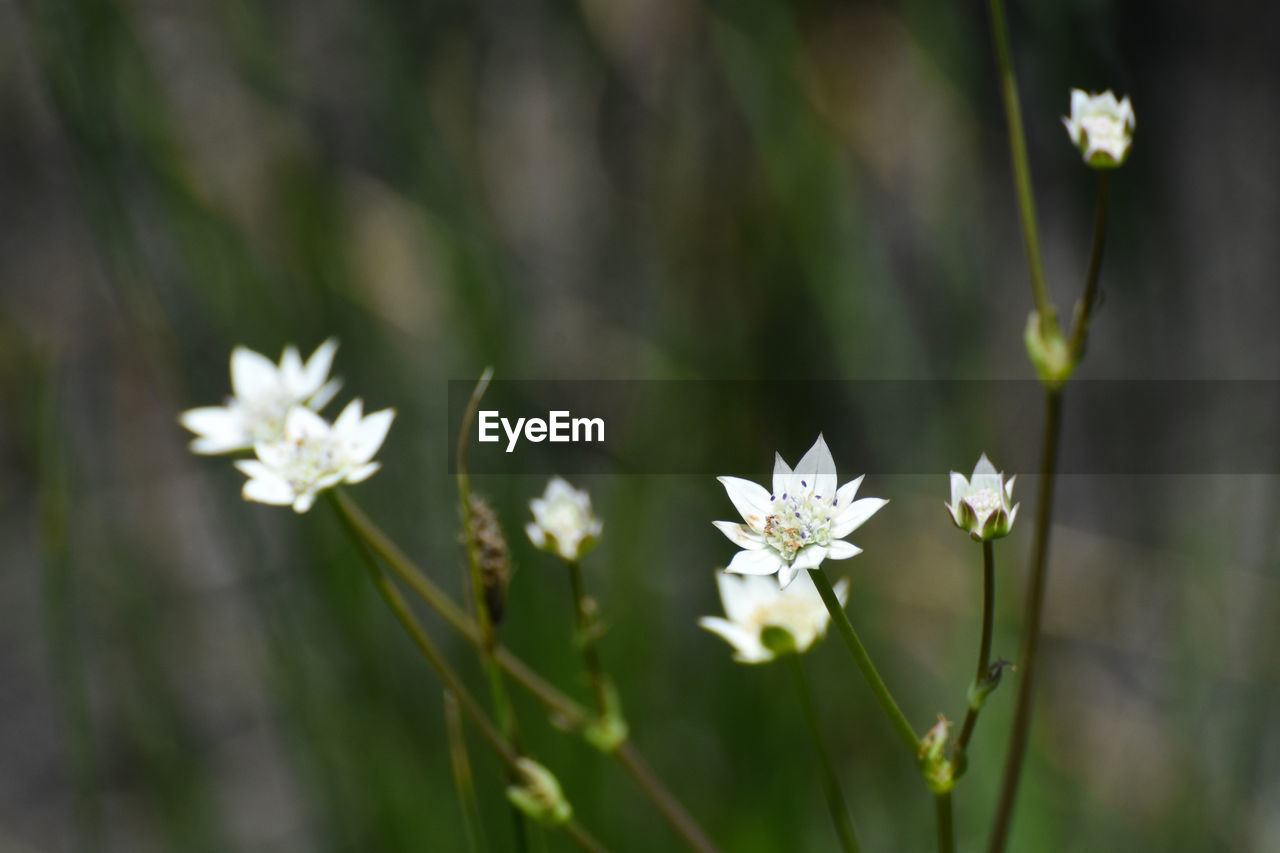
x,y
349,418
786,575
267,488
321,398
317,369
817,470
740,535
959,487
846,493
370,435
252,374
842,550
781,475
763,562
362,473
810,557
219,429
985,476
302,423
750,499
850,518
291,371
747,644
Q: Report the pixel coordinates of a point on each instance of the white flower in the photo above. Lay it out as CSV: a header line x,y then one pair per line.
x,y
754,603
1101,127
802,522
313,455
563,522
263,394
980,504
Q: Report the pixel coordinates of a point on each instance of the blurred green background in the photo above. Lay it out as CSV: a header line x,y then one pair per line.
x,y
608,189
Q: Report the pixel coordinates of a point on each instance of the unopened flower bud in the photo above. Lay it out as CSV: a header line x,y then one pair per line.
x,y
538,794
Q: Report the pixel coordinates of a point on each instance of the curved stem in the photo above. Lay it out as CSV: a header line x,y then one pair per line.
x,y
1021,168
984,647
666,803
1031,623
392,595
946,831
863,660
1080,327
830,780
563,709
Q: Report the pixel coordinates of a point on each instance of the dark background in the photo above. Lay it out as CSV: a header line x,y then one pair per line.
x,y
614,189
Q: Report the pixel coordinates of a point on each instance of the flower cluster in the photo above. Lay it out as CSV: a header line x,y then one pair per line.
x,y
273,410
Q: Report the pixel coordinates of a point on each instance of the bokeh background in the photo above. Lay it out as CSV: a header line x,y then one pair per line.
x,y
609,189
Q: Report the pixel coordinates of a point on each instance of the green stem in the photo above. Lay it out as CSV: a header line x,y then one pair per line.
x,y
502,706
1021,168
946,831
563,709
586,637
396,601
830,780
472,823
863,660
984,648
1031,623
1080,327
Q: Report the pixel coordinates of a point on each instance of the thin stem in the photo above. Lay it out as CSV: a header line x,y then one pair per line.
x,y
472,823
830,780
586,638
1021,168
565,710
396,601
946,831
672,810
984,647
569,712
1080,327
863,660
1031,623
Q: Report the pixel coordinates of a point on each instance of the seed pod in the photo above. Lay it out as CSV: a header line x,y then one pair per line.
x,y
492,557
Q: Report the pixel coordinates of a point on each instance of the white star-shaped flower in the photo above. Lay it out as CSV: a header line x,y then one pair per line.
x,y
798,524
981,504
263,394
1101,127
563,522
313,455
754,603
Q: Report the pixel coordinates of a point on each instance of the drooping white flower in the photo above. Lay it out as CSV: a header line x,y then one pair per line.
x,y
1101,127
563,522
802,522
981,504
262,395
753,603
313,455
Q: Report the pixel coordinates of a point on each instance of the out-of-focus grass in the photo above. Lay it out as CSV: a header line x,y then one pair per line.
x,y
569,190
